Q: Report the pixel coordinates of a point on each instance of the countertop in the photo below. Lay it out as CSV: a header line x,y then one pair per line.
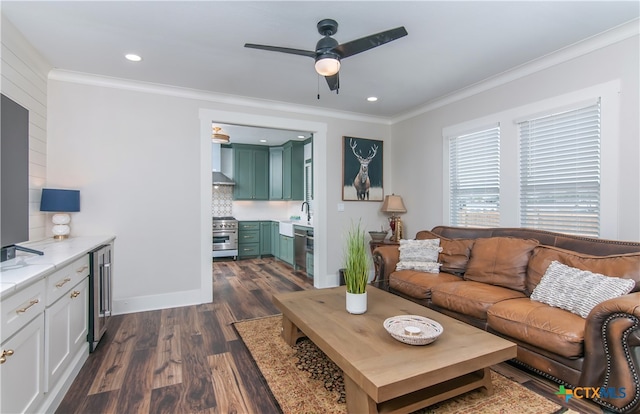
x,y
302,223
26,268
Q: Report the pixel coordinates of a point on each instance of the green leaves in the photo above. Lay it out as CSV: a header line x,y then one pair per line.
x,y
356,269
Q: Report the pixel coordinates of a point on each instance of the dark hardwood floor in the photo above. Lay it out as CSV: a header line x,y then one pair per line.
x,y
190,360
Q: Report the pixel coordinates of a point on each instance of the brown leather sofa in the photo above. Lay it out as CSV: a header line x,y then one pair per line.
x,y
599,351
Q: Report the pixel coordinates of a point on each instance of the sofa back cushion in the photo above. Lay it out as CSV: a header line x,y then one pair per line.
x,y
625,266
455,252
500,261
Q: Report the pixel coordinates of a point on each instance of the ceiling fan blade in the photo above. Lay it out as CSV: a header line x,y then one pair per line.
x,y
282,50
333,81
369,42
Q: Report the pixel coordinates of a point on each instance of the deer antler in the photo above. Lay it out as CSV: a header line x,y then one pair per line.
x,y
372,151
353,146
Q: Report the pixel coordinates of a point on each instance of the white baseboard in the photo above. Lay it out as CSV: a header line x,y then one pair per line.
x,y
154,302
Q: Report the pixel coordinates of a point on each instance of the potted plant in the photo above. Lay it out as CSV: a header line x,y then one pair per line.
x,y
356,270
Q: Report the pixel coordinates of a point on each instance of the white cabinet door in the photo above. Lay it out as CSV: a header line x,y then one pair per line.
x,y
21,376
66,331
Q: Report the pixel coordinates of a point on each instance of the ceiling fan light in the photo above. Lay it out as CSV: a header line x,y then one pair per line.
x,y
327,66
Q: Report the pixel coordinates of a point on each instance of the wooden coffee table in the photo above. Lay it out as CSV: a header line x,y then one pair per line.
x,y
382,374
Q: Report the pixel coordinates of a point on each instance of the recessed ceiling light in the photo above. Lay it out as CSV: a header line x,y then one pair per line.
x,y
133,57
263,140
301,136
372,98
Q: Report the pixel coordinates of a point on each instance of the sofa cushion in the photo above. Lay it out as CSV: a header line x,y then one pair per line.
x,y
625,266
578,291
470,298
419,255
552,329
455,252
418,284
500,261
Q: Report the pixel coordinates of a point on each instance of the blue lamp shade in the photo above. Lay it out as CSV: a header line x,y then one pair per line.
x,y
66,201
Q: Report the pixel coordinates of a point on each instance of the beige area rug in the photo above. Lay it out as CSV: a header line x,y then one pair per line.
x,y
304,380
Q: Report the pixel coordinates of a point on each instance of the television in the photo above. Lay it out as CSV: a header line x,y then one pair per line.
x,y
14,176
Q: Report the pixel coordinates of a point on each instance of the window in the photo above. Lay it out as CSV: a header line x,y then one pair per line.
x,y
560,171
474,178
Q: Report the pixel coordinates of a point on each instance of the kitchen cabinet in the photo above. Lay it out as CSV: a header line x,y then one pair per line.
x,y
67,323
251,172
248,239
309,264
286,171
265,238
275,173
286,249
293,171
275,238
22,362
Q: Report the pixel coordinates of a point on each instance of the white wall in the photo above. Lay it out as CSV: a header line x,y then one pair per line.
x,y
24,80
135,152
418,143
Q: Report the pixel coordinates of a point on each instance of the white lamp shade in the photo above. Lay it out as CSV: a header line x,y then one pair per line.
x,y
327,66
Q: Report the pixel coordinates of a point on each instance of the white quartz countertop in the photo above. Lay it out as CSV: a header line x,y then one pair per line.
x,y
27,268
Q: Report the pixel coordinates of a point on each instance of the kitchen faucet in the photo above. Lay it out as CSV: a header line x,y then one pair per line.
x,y
308,212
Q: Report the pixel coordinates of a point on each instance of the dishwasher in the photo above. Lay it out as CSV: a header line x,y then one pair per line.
x,y
300,249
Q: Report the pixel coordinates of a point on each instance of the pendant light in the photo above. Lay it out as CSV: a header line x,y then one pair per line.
x,y
219,136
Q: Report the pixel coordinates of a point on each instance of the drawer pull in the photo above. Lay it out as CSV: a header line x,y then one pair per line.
x,y
75,294
26,308
82,269
63,282
5,353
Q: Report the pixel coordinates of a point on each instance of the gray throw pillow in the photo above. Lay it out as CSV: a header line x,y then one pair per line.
x,y
578,291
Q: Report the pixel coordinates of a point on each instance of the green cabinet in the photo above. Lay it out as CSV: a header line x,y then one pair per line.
x,y
275,238
248,239
309,264
286,171
251,172
265,238
293,171
275,173
286,249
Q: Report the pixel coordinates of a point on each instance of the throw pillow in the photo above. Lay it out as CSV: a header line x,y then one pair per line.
x,y
500,261
455,252
578,291
421,255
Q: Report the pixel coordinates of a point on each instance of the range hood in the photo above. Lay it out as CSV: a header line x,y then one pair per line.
x,y
221,179
218,178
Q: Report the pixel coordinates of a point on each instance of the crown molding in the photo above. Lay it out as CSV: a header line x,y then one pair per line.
x,y
583,47
180,92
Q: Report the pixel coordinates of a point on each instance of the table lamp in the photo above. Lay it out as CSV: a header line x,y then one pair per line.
x,y
61,202
393,204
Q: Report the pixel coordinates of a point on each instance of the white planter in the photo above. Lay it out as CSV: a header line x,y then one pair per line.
x,y
356,303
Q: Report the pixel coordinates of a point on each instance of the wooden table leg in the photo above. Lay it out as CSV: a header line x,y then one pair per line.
x,y
290,332
358,401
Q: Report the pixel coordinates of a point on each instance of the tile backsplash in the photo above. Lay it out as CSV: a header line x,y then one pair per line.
x,y
222,202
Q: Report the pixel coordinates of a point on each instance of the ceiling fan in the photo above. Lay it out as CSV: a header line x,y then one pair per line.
x,y
328,52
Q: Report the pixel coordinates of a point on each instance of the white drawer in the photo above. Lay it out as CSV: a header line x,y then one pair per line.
x,y
64,279
19,309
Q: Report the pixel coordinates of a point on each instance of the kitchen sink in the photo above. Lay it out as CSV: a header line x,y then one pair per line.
x,y
286,228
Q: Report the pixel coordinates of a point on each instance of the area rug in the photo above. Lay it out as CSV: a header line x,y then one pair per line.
x,y
304,380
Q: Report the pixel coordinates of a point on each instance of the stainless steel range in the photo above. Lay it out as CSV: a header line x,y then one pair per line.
x,y
225,237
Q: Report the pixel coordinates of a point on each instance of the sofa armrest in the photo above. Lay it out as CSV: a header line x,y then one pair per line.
x,y
385,259
612,353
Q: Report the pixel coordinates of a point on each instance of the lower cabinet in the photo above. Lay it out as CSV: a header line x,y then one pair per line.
x,y
21,369
265,238
248,239
286,249
66,324
309,264
275,238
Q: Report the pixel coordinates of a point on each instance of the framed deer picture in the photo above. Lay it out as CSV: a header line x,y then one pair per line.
x,y
361,169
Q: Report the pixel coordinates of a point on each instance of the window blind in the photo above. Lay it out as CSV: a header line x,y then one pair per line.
x,y
560,171
474,176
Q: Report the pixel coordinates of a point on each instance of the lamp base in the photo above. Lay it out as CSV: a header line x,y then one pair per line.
x,y
61,237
